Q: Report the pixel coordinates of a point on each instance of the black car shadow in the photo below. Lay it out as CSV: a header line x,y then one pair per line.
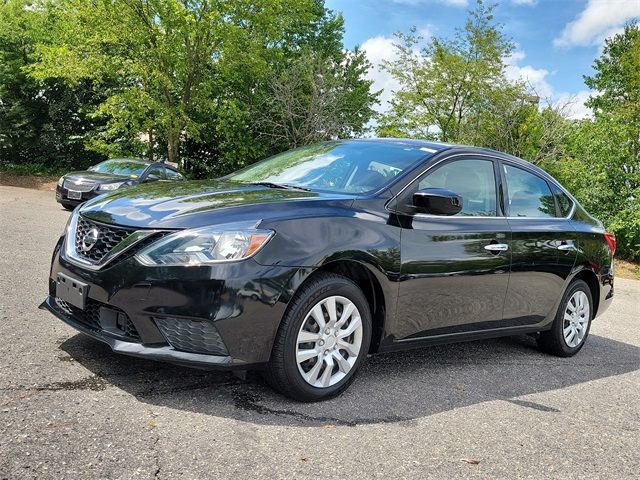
x,y
389,388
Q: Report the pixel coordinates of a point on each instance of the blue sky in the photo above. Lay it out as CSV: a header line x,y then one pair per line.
x,y
556,40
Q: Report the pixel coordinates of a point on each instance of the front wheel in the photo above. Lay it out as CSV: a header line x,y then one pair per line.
x,y
322,340
572,323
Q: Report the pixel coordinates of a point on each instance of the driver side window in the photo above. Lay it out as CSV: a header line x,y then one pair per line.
x,y
472,179
156,173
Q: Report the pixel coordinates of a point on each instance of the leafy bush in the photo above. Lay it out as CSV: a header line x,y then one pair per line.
x,y
34,169
626,226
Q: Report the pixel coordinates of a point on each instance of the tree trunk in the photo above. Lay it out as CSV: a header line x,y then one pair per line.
x,y
173,142
151,145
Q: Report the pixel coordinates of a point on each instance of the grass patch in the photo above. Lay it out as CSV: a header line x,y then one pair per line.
x,y
626,269
38,182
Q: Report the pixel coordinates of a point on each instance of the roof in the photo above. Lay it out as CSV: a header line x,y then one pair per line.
x,y
146,163
407,142
132,160
441,146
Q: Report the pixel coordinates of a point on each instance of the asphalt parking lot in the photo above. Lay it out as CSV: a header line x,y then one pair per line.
x,y
70,408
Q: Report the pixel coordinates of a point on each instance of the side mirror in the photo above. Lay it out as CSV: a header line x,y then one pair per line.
x,y
438,201
151,178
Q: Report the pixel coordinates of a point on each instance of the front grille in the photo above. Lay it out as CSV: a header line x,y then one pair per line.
x,y
195,336
108,237
102,317
78,186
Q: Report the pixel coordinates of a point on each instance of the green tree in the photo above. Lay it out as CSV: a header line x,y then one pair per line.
x,y
194,76
447,86
163,58
314,98
595,169
41,122
456,90
602,163
617,81
309,61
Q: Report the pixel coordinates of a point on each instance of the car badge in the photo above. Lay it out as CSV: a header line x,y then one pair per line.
x,y
90,239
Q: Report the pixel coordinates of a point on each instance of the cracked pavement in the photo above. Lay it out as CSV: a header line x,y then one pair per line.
x,y
70,408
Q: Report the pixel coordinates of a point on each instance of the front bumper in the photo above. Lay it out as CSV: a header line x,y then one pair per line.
x,y
62,196
135,349
241,304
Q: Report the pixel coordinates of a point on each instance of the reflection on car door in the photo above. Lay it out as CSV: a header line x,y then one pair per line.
x,y
450,282
542,242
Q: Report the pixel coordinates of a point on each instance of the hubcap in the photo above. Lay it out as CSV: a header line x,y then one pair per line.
x,y
329,341
576,319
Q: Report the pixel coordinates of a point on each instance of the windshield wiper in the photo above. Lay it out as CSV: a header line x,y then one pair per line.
x,y
284,186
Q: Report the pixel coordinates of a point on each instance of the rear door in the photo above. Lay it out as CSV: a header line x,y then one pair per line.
x,y
543,251
454,269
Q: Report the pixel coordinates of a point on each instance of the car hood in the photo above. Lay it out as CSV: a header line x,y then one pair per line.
x,y
94,177
201,203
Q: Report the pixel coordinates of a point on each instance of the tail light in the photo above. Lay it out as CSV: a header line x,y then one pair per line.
x,y
611,241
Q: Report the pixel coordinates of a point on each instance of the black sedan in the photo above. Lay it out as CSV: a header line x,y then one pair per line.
x,y
77,187
306,262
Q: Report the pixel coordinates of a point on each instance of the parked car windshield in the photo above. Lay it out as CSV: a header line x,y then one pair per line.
x,y
123,167
343,167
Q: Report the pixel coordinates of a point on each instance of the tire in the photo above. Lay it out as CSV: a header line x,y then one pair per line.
x,y
554,340
68,206
327,291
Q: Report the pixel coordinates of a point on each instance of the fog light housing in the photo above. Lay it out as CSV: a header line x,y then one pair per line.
x,y
193,336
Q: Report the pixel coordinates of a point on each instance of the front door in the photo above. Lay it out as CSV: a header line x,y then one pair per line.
x,y
454,269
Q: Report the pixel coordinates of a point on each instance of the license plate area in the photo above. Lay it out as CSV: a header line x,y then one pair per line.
x,y
74,195
72,291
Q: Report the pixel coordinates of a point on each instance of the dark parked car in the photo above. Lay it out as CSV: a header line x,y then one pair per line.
x,y
306,262
77,187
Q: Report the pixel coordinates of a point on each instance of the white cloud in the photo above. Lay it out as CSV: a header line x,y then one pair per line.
x,y
378,49
524,2
413,3
573,105
426,32
598,20
536,78
515,57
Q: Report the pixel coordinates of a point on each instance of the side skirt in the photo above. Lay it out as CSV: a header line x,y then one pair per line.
x,y
390,344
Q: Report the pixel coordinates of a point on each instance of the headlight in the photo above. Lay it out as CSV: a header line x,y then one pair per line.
x,y
204,246
61,181
105,187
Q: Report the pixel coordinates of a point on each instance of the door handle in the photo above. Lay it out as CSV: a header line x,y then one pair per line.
x,y
497,247
566,246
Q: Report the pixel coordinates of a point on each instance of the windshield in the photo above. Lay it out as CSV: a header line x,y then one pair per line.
x,y
342,167
123,167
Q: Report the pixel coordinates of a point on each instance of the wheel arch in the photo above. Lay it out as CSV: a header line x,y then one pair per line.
x,y
366,278
591,279
367,281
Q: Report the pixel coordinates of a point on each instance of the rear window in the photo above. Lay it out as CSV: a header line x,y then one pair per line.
x,y
173,175
529,195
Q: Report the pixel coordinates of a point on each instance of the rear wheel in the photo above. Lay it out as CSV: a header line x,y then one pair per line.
x,y
322,340
572,323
